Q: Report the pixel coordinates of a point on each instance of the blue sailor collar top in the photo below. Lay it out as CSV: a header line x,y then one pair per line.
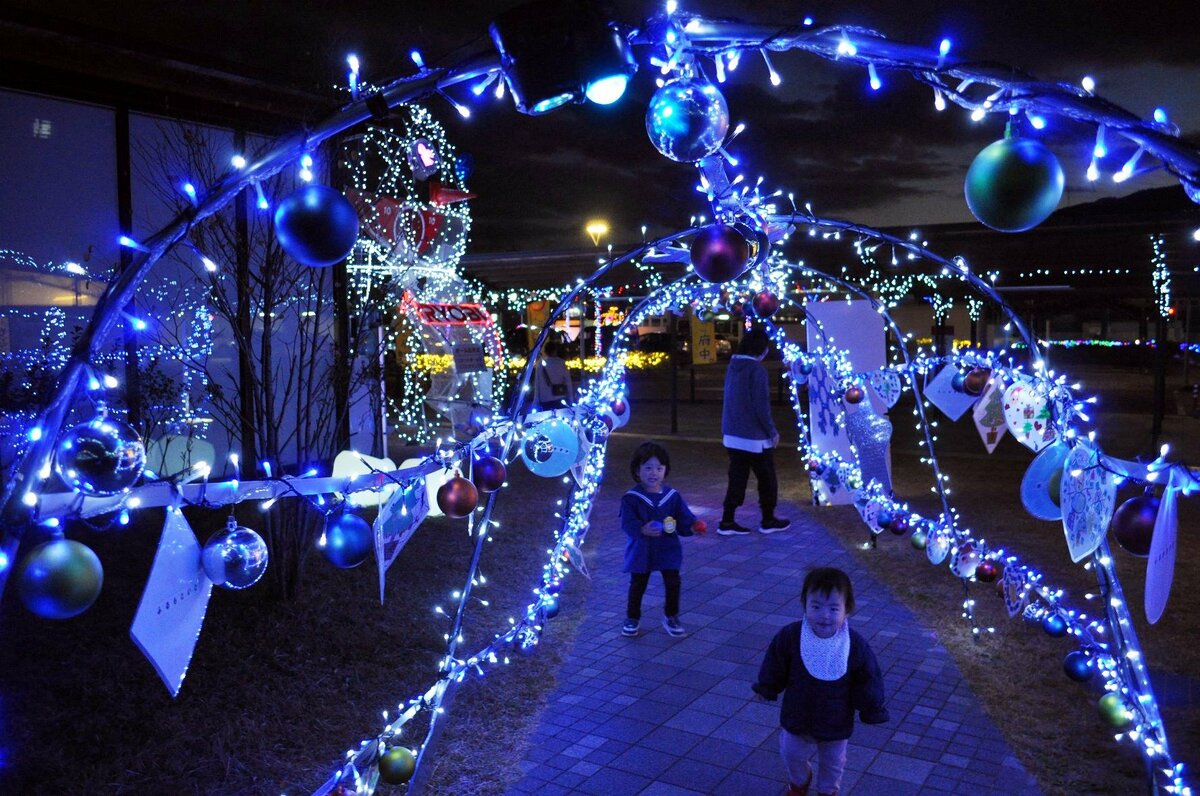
x,y
649,553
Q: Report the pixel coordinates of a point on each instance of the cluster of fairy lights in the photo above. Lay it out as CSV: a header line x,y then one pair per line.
x,y
683,39
1161,277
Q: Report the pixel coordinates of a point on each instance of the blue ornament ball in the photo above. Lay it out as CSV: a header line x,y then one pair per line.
x,y
1054,625
60,579
551,608
1014,184
1078,666
958,383
348,541
317,226
687,119
234,558
884,518
100,457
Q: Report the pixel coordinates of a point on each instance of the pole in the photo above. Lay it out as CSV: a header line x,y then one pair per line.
x,y
133,379
674,371
1160,379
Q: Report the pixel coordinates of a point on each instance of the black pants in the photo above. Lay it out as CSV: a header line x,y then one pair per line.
x,y
637,587
740,465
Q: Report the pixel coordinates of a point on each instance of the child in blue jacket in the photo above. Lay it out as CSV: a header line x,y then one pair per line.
x,y
826,672
654,516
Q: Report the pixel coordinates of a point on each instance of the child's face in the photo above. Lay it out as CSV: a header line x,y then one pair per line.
x,y
651,474
825,613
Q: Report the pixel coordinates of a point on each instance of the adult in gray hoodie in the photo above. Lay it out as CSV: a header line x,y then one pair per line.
x,y
750,436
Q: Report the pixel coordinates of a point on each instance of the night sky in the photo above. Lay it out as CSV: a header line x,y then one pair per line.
x,y
881,158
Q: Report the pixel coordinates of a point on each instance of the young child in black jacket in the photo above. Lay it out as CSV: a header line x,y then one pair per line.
x,y
826,671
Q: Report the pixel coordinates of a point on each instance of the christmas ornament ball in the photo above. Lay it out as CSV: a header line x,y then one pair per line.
x,y
898,525
1054,625
619,406
349,539
854,395
884,517
975,381
700,527
551,608
101,457
987,571
805,366
687,119
1133,524
1112,709
1078,666
766,304
396,765
553,587
458,497
60,579
719,253
488,474
316,225
918,540
234,558
1014,184
958,382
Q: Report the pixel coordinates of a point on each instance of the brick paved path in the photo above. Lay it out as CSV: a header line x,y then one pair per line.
x,y
659,716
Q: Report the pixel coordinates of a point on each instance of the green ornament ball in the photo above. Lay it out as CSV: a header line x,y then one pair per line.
x,y
918,540
60,579
1014,184
397,765
1112,709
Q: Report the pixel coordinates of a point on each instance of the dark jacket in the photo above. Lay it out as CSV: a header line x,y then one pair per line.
x,y
821,709
746,412
649,553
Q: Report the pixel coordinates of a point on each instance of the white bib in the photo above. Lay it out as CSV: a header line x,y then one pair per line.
x,y
825,658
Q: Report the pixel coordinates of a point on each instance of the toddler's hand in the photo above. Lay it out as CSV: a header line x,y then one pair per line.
x,y
652,528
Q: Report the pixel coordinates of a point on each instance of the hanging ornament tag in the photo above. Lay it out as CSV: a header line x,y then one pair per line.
x,y
1089,494
937,547
941,393
886,385
1160,569
171,613
395,524
1015,593
989,416
1027,413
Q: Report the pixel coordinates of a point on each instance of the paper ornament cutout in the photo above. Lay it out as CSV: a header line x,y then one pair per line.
x,y
433,482
171,614
869,511
395,524
1013,587
349,464
966,560
550,448
1089,494
937,546
1027,412
941,393
1036,486
1160,568
988,415
886,384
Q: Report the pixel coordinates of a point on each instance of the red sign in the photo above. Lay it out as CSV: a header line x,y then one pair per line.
x,y
452,314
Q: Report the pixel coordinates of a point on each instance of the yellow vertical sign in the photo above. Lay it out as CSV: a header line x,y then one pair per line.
x,y
536,315
704,341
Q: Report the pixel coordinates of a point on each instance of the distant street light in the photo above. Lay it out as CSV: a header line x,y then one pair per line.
x,y
596,229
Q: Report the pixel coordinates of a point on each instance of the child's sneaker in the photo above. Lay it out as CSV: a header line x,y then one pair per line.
x,y
732,528
673,626
631,627
774,525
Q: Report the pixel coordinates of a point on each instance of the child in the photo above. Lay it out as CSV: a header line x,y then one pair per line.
x,y
826,671
654,516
